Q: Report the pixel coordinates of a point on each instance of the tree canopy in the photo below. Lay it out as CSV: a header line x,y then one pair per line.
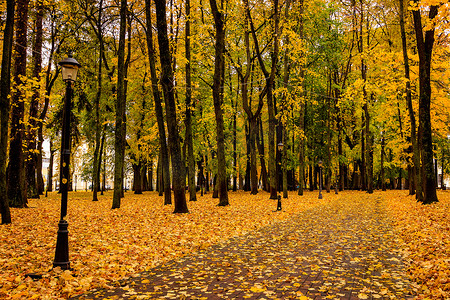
x,y
203,92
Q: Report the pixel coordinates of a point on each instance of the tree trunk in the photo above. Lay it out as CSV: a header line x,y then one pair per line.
x,y
286,86
16,175
235,145
218,83
246,186
383,154
369,150
164,153
101,157
31,161
119,145
301,144
49,82
270,77
416,153
96,166
5,86
207,174
442,169
167,82
50,169
262,161
425,47
253,161
189,109
150,175
283,164
251,116
137,177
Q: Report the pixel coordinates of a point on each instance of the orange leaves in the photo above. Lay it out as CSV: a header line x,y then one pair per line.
x,y
107,245
425,230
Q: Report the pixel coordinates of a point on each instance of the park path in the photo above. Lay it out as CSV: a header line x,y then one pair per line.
x,y
341,249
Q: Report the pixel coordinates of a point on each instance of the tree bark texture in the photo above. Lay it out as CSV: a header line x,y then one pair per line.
x,y
16,174
5,87
164,153
415,146
167,82
190,159
31,161
119,144
425,43
270,76
96,160
219,67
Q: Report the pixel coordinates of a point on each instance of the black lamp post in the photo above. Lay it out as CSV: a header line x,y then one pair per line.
x,y
69,68
280,147
320,179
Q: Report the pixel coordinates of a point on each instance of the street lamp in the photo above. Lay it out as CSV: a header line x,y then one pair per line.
x,y
280,147
320,179
69,72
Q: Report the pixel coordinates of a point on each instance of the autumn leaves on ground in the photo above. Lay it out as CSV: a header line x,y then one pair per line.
x,y
107,245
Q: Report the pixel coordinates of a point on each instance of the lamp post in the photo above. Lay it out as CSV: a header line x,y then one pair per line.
x,y
280,147
69,70
320,179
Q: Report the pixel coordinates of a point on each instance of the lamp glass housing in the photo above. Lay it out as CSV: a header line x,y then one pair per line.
x,y
320,163
69,72
280,146
69,66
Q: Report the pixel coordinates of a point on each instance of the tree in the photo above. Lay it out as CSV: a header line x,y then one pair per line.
x,y
190,159
219,71
269,85
97,151
167,82
4,107
50,79
425,42
252,117
119,145
17,192
412,118
163,151
31,161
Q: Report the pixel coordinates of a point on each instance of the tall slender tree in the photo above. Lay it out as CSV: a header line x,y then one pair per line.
x,y
17,192
425,42
164,153
167,82
5,86
219,69
190,159
301,121
119,144
269,85
50,78
417,184
31,161
97,151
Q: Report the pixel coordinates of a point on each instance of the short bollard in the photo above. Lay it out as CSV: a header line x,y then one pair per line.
x,y
279,203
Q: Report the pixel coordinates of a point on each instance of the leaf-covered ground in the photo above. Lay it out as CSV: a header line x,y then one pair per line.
x,y
343,248
108,245
425,231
